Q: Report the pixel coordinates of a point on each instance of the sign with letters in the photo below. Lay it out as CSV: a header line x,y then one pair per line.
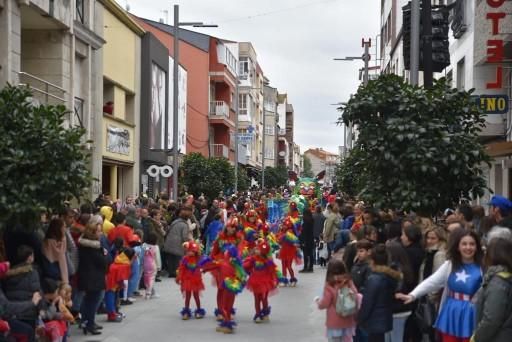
x,y
492,104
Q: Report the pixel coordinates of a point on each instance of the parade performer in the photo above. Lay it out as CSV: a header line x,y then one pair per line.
x,y
231,279
117,278
227,238
190,279
289,251
249,243
266,234
263,279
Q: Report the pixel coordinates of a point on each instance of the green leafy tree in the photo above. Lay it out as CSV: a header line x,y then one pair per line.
x,y
275,176
244,183
43,163
209,176
417,149
350,174
308,170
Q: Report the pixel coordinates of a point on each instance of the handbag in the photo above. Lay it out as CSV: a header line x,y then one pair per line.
x,y
425,315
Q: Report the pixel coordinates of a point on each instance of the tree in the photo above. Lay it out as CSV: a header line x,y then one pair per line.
x,y
417,149
209,176
308,171
275,176
244,183
43,163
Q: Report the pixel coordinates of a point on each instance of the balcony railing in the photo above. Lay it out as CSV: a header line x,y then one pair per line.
x,y
219,108
43,91
219,150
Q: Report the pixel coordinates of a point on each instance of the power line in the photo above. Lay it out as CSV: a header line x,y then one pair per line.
x,y
263,14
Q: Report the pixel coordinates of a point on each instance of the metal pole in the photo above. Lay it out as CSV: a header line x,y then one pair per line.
x,y
366,61
415,41
236,131
263,146
175,154
426,13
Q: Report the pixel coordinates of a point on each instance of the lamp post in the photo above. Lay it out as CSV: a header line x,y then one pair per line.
x,y
366,44
176,61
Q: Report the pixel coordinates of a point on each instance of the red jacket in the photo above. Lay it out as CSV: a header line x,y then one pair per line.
x,y
124,232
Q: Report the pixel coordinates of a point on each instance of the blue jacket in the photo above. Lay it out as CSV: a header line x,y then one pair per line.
x,y
376,314
348,222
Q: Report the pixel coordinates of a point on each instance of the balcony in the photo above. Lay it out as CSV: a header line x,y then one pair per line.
x,y
219,151
43,92
219,113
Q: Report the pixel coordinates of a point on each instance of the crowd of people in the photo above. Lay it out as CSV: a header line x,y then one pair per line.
x,y
390,276
420,279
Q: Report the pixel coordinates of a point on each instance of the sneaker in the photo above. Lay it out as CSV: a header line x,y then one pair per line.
x,y
155,295
132,299
126,302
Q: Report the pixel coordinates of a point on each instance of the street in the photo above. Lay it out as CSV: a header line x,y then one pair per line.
x,y
294,316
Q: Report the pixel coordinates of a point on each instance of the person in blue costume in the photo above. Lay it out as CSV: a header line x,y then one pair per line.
x,y
460,278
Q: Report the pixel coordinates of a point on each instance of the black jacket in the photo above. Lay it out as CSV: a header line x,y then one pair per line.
x,y
376,314
318,224
360,273
93,265
416,254
306,237
21,282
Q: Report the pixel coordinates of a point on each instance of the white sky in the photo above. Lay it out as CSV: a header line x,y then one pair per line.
x,y
295,41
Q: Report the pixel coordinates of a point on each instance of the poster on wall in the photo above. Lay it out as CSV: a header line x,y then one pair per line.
x,y
182,107
118,140
157,117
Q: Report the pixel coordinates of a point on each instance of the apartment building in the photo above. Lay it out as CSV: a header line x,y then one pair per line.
x,y
270,125
55,47
322,160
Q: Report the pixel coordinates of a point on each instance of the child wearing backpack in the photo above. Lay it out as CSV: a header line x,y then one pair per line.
x,y
341,300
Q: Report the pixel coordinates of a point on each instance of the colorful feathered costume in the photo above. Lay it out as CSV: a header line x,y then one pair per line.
x,y
231,279
263,279
118,274
289,251
190,279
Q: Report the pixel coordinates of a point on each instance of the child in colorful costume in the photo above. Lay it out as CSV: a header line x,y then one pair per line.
x,y
231,278
263,279
289,251
227,238
190,279
117,277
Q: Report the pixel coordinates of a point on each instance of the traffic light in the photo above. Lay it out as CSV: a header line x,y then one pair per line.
x,y
440,44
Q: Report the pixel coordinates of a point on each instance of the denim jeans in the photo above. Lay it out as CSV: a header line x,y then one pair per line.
x,y
133,282
89,306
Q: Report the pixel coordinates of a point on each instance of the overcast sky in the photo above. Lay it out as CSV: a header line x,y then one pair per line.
x,y
295,41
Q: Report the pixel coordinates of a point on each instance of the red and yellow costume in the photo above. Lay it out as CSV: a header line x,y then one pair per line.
x,y
289,251
231,279
263,279
190,279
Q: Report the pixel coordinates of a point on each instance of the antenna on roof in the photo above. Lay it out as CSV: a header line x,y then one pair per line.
x,y
127,7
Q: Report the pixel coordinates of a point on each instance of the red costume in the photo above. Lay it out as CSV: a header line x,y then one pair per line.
x,y
263,279
231,278
289,251
190,279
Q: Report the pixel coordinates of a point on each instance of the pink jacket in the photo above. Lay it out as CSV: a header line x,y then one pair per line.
x,y
328,301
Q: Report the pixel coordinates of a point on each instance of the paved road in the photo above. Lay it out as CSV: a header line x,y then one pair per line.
x,y
294,317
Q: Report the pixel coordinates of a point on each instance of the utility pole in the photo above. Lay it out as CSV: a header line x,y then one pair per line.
x,y
426,19
415,41
175,108
366,59
237,95
263,144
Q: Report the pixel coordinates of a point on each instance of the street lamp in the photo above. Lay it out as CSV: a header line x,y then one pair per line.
x,y
175,152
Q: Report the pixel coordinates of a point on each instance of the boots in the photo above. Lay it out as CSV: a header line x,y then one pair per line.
x,y
293,281
185,313
265,313
199,313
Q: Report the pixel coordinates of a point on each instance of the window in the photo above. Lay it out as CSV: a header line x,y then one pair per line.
x,y
242,104
461,74
269,153
80,11
269,130
243,67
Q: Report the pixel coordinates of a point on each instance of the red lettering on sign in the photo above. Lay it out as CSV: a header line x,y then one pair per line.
x,y
495,3
495,17
495,51
499,79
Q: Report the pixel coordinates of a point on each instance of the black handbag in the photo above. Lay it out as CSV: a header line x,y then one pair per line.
x,y
425,315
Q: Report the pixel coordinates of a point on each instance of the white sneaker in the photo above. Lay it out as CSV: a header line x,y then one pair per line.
x,y
131,299
155,295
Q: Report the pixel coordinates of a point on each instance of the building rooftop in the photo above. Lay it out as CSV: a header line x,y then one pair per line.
x,y
320,153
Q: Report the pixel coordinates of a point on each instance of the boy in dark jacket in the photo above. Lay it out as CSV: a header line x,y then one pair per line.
x,y
361,268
